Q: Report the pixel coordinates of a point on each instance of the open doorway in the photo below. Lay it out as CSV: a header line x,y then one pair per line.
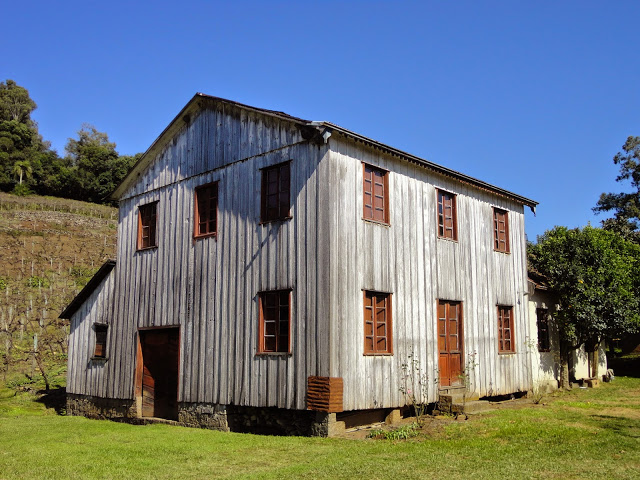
x,y
157,372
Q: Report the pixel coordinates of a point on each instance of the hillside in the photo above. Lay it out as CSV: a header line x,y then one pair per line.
x,y
49,249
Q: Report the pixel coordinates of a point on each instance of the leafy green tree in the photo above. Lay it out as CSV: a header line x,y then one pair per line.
x,y
15,103
625,206
594,276
98,167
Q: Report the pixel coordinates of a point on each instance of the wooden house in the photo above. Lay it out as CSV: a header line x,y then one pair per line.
x,y
277,273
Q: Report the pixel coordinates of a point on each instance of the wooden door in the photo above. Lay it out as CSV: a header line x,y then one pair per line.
x,y
159,349
450,341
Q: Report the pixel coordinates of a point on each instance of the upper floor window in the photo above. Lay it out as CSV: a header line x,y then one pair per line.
x,y
542,315
100,350
377,323
376,194
500,230
505,330
447,216
275,321
147,226
206,214
275,197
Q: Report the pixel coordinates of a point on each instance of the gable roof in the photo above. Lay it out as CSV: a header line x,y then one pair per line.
x,y
88,289
322,129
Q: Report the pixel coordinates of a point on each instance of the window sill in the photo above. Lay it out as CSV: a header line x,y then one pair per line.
x,y
447,239
376,222
377,354
274,354
501,251
506,353
275,220
146,248
208,235
99,359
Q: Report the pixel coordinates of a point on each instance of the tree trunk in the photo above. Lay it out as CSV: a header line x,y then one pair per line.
x,y
594,366
564,366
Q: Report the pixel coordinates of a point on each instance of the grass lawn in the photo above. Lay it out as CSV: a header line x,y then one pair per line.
x,y
591,433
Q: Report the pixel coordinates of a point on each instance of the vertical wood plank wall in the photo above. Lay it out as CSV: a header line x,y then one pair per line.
x,y
209,287
84,375
408,260
327,254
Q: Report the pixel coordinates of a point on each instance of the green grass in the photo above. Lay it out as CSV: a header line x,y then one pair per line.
x,y
580,434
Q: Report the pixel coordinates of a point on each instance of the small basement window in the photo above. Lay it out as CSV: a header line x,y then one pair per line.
x,y
100,350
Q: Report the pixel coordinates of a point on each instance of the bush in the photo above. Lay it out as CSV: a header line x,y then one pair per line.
x,y
21,190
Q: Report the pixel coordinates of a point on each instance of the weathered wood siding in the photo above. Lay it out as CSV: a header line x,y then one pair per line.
x,y
327,254
209,287
84,375
408,260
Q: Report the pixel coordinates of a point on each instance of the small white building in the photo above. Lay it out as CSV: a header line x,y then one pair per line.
x,y
546,347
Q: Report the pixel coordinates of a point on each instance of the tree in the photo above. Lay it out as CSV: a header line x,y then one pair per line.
x,y
98,167
21,168
594,277
15,103
626,206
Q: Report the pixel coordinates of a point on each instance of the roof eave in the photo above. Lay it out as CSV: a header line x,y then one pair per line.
x,y
88,289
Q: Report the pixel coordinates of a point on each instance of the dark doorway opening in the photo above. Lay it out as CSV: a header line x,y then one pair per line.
x,y
158,359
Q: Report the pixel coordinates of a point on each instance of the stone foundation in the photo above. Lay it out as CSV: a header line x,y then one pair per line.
x,y
278,421
260,420
101,408
203,415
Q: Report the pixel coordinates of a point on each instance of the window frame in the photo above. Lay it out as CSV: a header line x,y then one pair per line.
x,y
542,318
502,350
385,194
262,299
207,187
388,324
100,331
154,229
499,244
282,216
454,215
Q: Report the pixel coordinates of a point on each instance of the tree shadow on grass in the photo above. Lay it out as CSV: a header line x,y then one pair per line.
x,y
627,427
55,398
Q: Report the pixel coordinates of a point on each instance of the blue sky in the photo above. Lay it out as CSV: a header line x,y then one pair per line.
x,y
534,97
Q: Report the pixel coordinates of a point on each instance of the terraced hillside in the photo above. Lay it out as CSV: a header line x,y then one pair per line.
x,y
49,249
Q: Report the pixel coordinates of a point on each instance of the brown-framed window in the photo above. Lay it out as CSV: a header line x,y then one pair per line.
x,y
100,350
542,316
505,330
147,220
275,321
206,210
377,323
500,230
447,215
375,194
275,196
